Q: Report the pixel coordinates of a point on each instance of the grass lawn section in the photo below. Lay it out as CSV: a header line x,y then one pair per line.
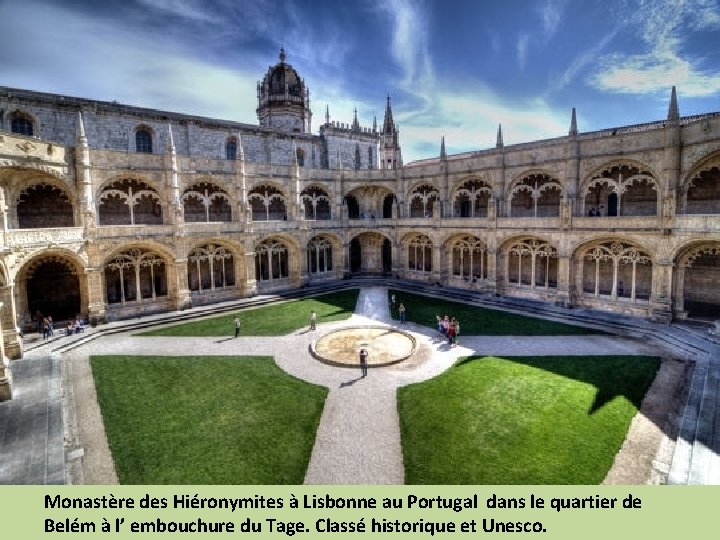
x,y
478,321
272,320
523,420
206,419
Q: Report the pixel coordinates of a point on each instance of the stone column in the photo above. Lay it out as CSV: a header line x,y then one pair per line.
x,y
97,310
250,282
5,375
12,344
563,297
492,270
660,299
182,292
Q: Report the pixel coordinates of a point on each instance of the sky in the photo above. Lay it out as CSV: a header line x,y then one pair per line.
x,y
453,68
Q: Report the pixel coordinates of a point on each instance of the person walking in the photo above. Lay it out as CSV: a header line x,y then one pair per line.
x,y
457,332
45,328
401,311
392,301
438,324
313,320
451,333
363,362
51,324
237,326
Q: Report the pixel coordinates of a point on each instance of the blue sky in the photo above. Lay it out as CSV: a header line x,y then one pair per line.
x,y
453,68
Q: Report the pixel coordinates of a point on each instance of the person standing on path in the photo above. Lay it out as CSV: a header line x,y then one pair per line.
x,y
401,311
237,326
392,302
313,320
363,362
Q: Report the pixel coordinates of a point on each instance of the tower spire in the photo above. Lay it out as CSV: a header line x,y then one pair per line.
x,y
282,55
388,124
80,129
327,113
170,141
573,124
374,124
673,111
499,143
355,124
443,153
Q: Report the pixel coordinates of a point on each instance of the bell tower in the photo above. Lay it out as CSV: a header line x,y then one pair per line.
x,y
283,99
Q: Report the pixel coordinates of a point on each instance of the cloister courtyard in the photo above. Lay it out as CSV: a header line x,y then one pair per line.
x,y
519,400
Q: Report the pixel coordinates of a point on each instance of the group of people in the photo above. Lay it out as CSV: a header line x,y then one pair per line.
x,y
594,212
46,325
449,328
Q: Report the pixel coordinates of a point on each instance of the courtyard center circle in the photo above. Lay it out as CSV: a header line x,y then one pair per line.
x,y
385,346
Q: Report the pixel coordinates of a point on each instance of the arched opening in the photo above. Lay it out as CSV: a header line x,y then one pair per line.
x,y
532,263
143,141
316,203
703,193
319,256
388,202
616,270
267,203
231,149
210,267
355,255
536,195
387,256
43,205
206,202
700,273
271,261
471,199
419,255
353,207
129,202
422,201
135,276
53,288
621,190
469,260
21,124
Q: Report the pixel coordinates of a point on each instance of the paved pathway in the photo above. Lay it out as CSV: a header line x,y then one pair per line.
x,y
358,441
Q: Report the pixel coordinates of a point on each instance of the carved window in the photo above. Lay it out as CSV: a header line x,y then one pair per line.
x,y
316,203
319,255
231,149
21,124
271,260
206,202
143,141
469,259
419,254
533,263
136,275
210,267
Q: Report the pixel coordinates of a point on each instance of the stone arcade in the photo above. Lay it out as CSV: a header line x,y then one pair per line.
x,y
110,210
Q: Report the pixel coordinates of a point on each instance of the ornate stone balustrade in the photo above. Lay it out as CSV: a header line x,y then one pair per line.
x,y
29,237
132,231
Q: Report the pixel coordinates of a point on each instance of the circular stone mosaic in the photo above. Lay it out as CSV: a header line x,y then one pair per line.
x,y
384,345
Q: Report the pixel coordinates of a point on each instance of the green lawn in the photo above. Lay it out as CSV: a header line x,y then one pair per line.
x,y
274,320
206,420
524,420
478,321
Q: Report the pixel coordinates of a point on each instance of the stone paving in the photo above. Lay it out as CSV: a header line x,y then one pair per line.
x,y
358,441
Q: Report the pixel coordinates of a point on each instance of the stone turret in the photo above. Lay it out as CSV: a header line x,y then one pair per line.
x,y
390,141
284,100
499,142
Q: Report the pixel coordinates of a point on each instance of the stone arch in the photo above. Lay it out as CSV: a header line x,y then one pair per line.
x,y
44,203
421,198
700,190
273,256
530,263
211,267
316,202
620,188
321,253
268,202
534,194
370,201
470,198
52,282
695,283
145,139
467,258
129,200
370,251
206,202
418,251
139,277
613,269
20,120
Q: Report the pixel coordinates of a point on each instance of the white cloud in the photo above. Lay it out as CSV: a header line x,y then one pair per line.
x,y
522,49
663,26
580,62
551,13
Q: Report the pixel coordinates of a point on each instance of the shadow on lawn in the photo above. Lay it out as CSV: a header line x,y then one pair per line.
x,y
612,376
